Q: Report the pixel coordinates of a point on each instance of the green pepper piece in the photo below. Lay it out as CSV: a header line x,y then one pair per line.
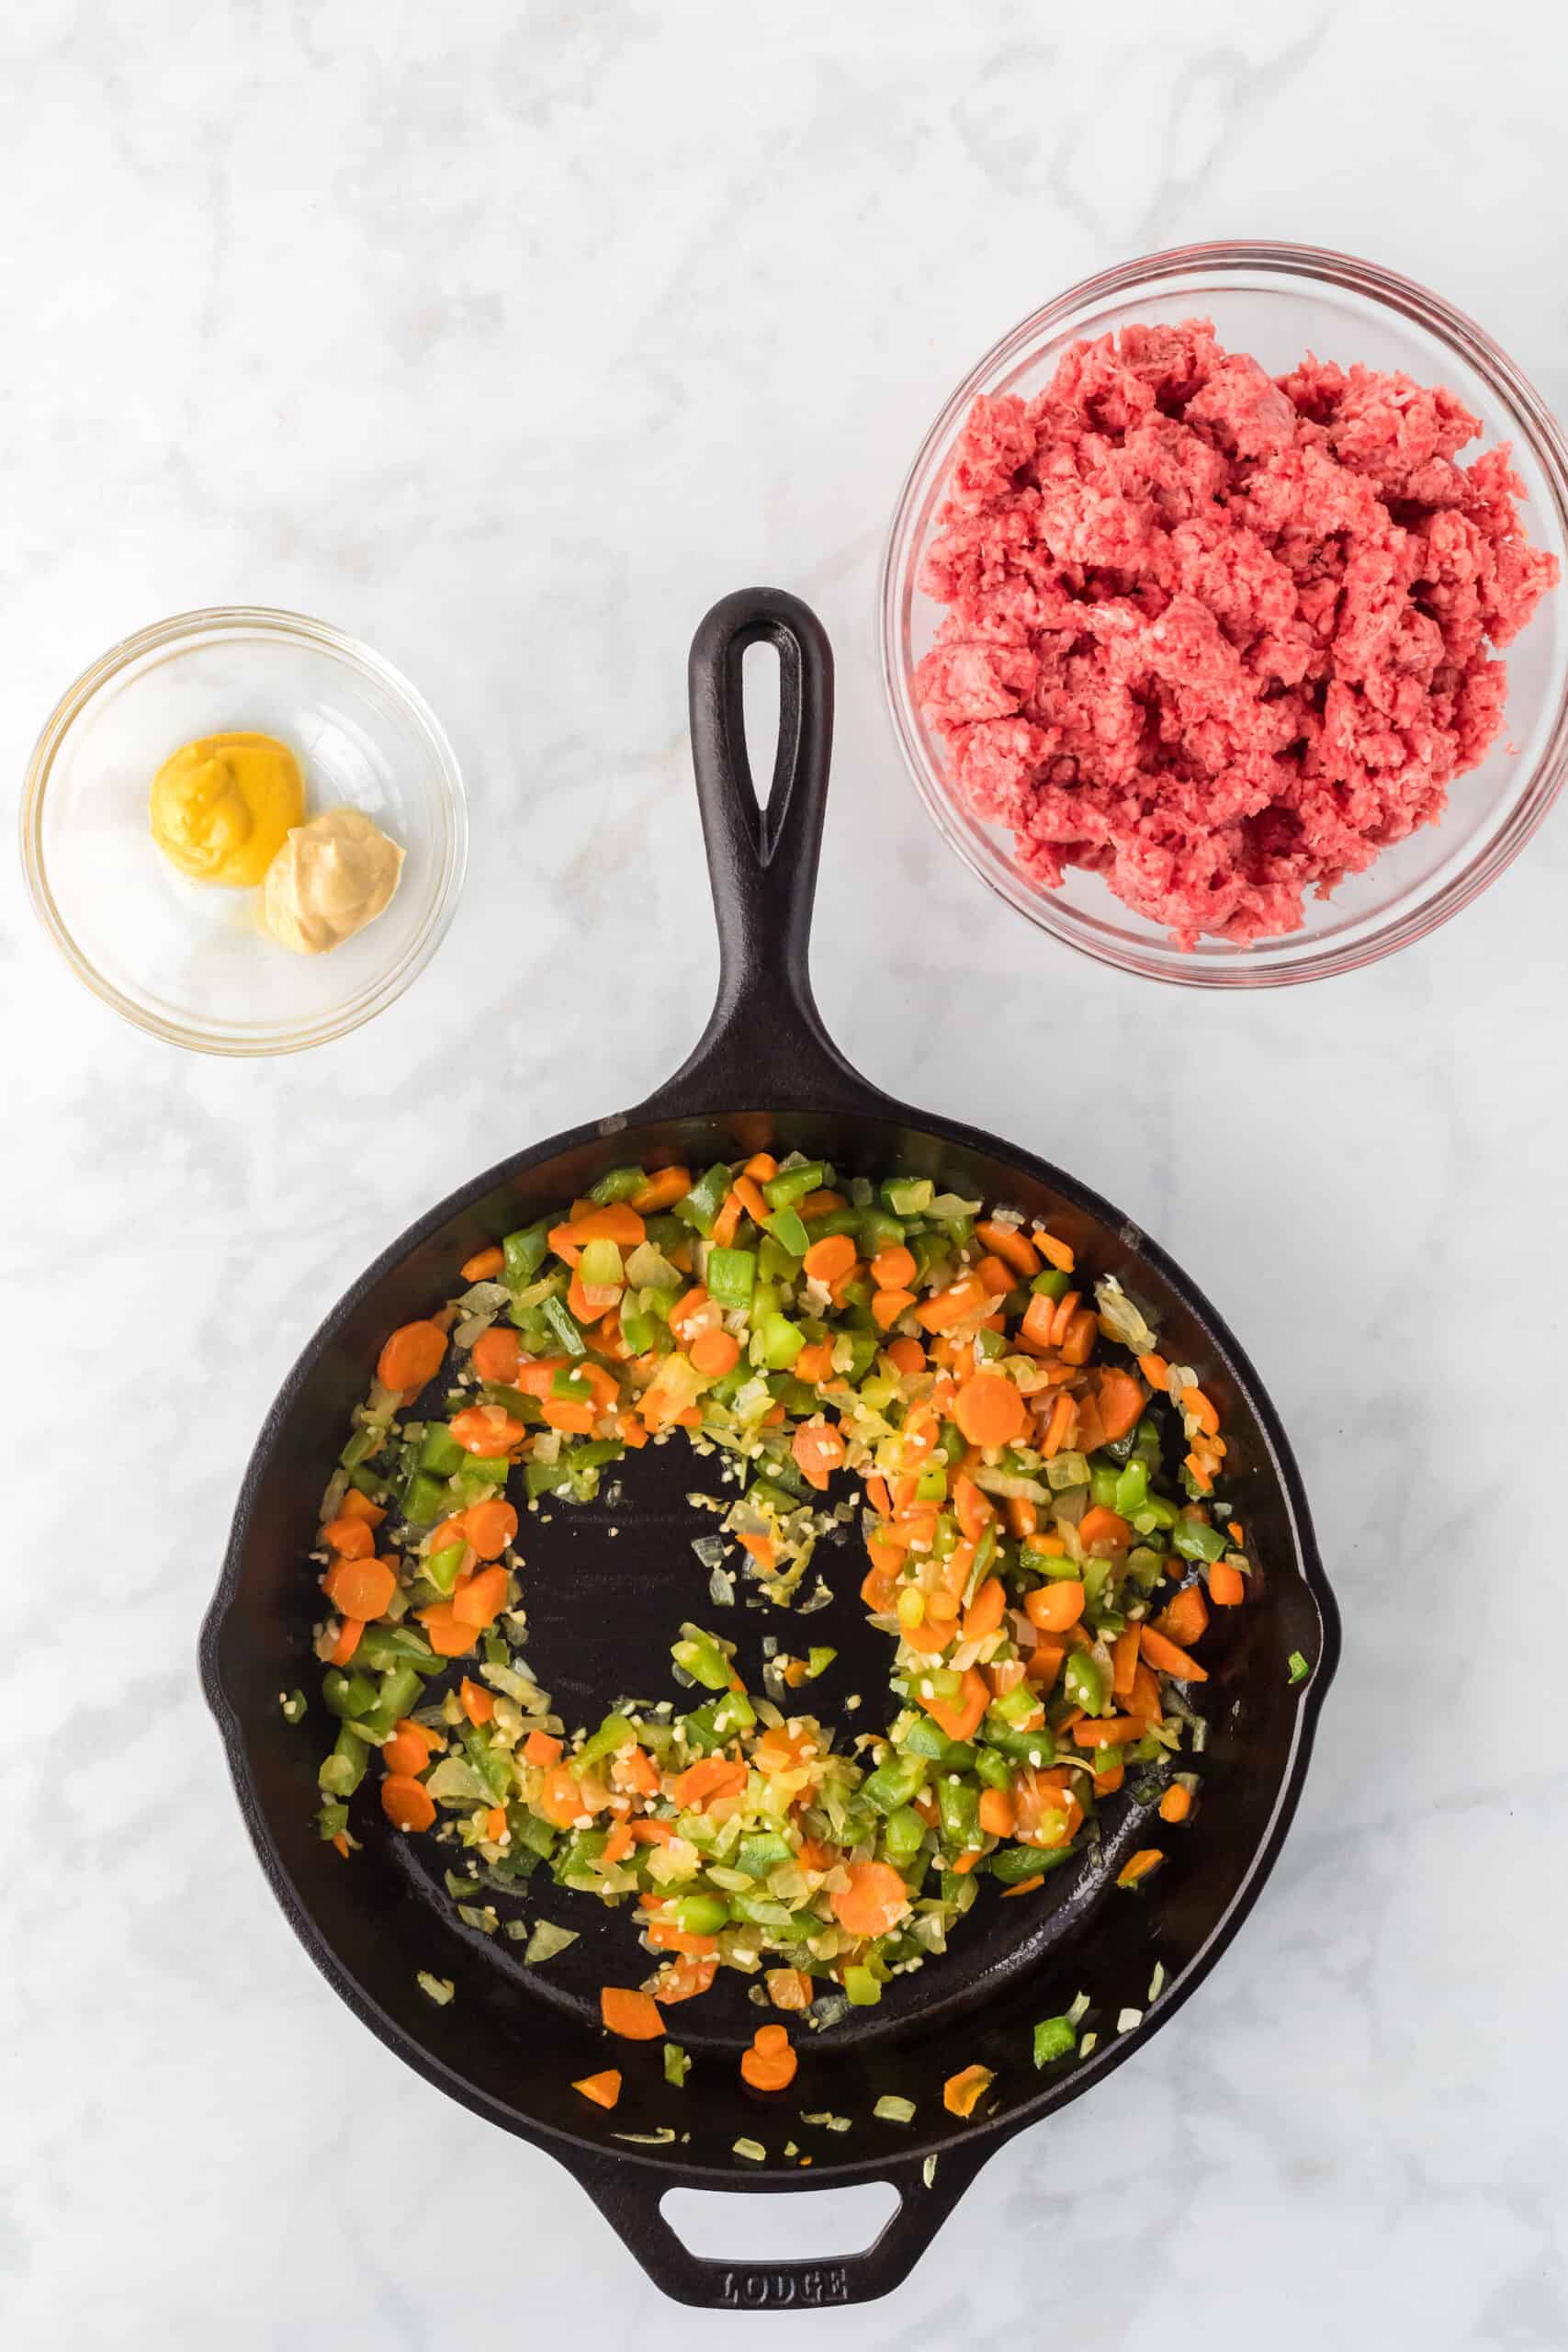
x,y
1195,1540
1010,1863
384,1645
865,1347
1014,1709
367,1482
439,1451
564,1326
733,1712
789,1232
342,1772
331,1820
706,1197
638,1330
547,1478
1054,2038
615,1733
1037,1746
360,1447
489,1763
525,1253
1131,1490
617,1184
1083,1678
1050,1282
993,1767
781,1341
702,1914
817,1661
441,1568
958,1804
292,1707
600,1266
1102,1483
861,1989
761,1853
894,1781
907,1195
347,1696
903,1836
530,1830
730,1277
782,1192
424,1499
878,1231
700,1657
481,1472
677,2065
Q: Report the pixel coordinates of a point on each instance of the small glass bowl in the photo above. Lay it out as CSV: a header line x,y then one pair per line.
x,y
189,960
1278,302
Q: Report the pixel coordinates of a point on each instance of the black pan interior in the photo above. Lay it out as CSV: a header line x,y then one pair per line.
x,y
603,1611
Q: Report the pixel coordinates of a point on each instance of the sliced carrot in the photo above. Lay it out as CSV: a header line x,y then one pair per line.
x,y
1124,1659
1005,1241
1054,1607
1059,1426
818,1450
1155,1371
563,1799
715,1352
1121,1401
1039,1322
1195,1403
823,1201
814,1361
874,1900
691,1973
907,1356
727,1222
1228,1585
357,1506
996,1814
693,1312
963,1298
347,1641
617,1845
1186,1619
710,1780
769,2065
648,1831
975,1509
986,1612
962,2093
633,2016
573,1417
486,1429
1077,1341
893,1268
960,1717
1170,1658
407,1803
829,1259
539,1747
413,1354
484,1265
789,1988
887,1305
748,1192
1107,1731
404,1756
477,1600
1045,1663
616,1222
587,1310
996,1275
662,1190
991,1411
1024,1885
1056,1253
359,1588
447,1634
351,1539
603,2089
1176,1803
490,1526
1139,1866
476,1701
761,1167
1100,1530
1022,1518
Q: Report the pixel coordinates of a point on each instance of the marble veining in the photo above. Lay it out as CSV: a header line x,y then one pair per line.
x,y
509,337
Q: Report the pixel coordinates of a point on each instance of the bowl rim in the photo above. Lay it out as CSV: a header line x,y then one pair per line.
x,y
299,629
1294,959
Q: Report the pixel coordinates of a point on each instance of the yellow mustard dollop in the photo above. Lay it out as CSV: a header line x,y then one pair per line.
x,y
330,879
222,807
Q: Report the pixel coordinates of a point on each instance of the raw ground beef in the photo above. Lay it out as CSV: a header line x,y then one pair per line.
x,y
1219,638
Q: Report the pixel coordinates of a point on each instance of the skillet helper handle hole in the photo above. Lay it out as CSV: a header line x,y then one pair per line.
x,y
633,2202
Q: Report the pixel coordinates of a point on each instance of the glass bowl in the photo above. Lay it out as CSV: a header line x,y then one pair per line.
x,y
1279,302
190,961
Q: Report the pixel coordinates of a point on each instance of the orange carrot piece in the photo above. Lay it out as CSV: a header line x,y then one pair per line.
x,y
1107,1731
1139,1866
412,1355
476,1701
960,1717
1124,1659
829,1259
817,1451
490,1526
603,2089
771,2063
874,1900
633,2016
1121,1401
359,1588
1102,1531
962,2093
539,1747
1063,1414
1176,1803
1186,1620
662,1190
893,1268
996,1814
907,1356
1155,1371
1005,1241
357,1506
347,1641
351,1539
1170,1658
1056,1253
749,1195
1227,1586
486,1429
963,1298
407,1803
1054,1607
404,1756
991,1411
713,1353
616,1222
477,1600
986,1612
887,1305
484,1265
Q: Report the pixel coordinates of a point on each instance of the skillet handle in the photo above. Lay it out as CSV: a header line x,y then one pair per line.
x,y
764,1041
631,2200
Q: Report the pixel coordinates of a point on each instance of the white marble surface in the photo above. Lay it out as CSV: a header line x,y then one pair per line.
x,y
508,336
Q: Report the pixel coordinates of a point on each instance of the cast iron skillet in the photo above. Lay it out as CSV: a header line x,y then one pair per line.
x,y
603,1611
